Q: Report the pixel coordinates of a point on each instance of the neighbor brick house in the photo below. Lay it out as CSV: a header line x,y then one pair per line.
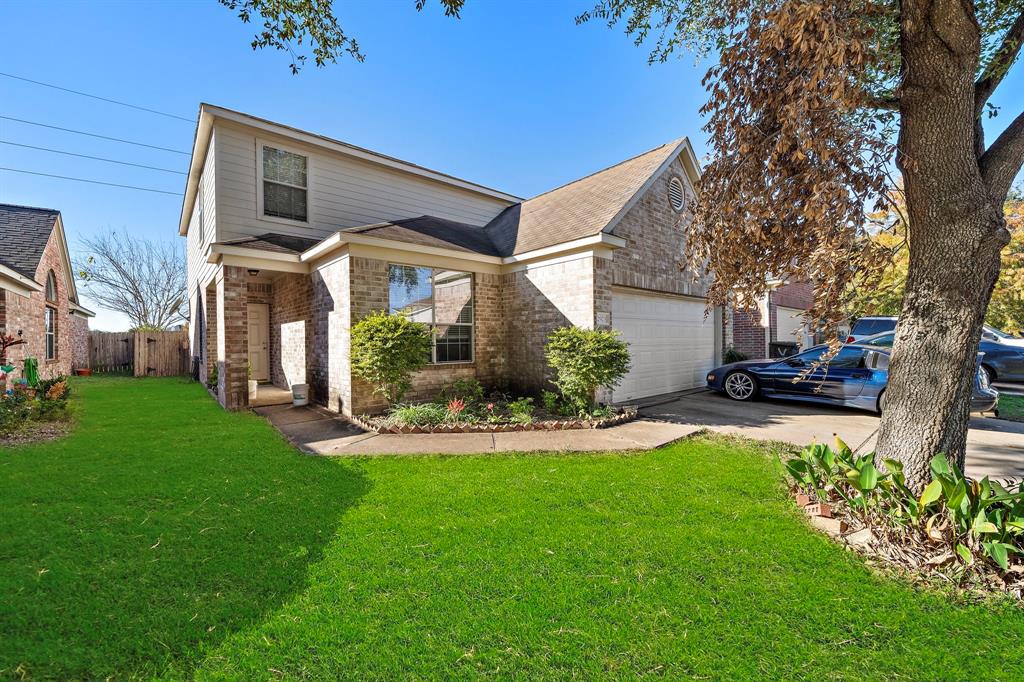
x,y
292,237
38,298
778,317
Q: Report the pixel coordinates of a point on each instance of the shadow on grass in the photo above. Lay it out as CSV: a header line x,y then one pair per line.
x,y
159,527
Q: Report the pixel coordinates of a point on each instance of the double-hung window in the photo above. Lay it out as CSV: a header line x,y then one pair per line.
x,y
285,184
442,300
50,317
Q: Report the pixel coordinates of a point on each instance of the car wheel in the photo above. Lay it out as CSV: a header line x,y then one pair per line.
x,y
740,386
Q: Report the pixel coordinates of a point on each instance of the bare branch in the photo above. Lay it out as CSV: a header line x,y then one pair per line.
x,y
1000,64
144,280
1003,160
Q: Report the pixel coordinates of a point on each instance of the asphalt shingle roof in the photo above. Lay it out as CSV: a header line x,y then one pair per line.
x,y
24,233
432,231
582,208
272,241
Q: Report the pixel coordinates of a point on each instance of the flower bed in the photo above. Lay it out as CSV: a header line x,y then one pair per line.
x,y
539,423
33,413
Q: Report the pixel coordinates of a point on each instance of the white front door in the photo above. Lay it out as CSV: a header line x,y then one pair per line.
x,y
671,344
259,341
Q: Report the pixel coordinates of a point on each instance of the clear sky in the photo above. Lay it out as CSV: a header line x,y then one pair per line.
x,y
514,96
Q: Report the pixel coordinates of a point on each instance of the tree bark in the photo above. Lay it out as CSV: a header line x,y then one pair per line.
x,y
956,233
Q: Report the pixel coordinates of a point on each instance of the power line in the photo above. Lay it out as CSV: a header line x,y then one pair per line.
x,y
102,99
95,182
95,158
102,137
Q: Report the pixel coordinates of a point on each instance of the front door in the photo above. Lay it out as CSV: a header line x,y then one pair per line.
x,y
259,341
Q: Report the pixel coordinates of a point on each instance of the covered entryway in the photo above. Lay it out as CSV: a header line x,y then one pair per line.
x,y
671,344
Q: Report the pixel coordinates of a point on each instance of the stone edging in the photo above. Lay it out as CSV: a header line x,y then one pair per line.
x,y
627,415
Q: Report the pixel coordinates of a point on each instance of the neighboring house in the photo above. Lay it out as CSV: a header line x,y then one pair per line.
x,y
293,237
38,298
778,318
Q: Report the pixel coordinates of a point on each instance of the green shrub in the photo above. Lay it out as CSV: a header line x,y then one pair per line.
x,y
420,414
469,390
732,355
521,410
212,379
15,411
584,360
386,350
551,401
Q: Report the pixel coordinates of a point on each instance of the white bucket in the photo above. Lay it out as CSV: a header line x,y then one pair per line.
x,y
300,394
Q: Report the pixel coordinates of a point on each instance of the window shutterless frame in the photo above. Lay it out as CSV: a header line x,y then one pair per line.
x,y
50,329
260,208
459,322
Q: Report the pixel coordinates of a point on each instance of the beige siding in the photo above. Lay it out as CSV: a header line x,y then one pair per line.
x,y
343,192
197,241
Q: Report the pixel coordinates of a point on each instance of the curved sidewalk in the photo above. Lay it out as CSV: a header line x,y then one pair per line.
x,y
317,431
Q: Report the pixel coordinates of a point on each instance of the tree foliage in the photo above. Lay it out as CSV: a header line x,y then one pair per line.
x,y
142,279
584,360
386,350
291,25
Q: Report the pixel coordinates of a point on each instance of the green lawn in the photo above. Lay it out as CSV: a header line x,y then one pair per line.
x,y
1011,407
166,538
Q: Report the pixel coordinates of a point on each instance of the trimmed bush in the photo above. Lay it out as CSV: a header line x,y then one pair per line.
x,y
386,350
585,360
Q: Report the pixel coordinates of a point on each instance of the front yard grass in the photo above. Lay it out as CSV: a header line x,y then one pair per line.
x,y
1011,407
167,538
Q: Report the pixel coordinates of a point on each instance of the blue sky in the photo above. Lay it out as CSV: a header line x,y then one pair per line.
x,y
514,95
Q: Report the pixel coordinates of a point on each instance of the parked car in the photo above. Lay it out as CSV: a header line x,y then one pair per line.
x,y
999,361
869,326
856,377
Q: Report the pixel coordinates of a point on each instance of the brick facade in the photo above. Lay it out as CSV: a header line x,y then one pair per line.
x,y
25,314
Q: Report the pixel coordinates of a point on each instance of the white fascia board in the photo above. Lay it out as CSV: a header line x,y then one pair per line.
x,y
355,152
14,281
256,259
200,145
603,238
339,239
77,309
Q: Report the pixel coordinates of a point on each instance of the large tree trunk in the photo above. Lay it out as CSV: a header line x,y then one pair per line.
x,y
956,233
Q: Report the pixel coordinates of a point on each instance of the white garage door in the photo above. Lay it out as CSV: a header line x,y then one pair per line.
x,y
671,345
790,326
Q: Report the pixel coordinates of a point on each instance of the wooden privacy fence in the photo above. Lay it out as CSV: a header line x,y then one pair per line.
x,y
154,354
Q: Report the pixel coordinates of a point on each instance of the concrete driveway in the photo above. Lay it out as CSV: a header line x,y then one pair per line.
x,y
995,447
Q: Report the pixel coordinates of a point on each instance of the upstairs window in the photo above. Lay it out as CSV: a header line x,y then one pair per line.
x,y
51,287
442,300
285,179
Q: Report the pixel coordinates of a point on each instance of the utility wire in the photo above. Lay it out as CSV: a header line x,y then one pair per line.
x,y
102,137
95,182
102,99
95,158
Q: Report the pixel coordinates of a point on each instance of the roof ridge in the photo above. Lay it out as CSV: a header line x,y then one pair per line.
x,y
30,208
674,143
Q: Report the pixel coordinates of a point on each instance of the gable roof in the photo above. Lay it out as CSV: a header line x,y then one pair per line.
x,y
432,231
24,233
582,208
272,241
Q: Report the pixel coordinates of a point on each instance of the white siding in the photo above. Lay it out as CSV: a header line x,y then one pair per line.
x,y
343,192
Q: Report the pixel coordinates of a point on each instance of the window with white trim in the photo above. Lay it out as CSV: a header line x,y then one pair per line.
x,y
50,317
441,299
285,180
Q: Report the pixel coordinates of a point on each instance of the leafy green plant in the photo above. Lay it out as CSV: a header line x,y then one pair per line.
x,y
551,401
584,360
386,350
468,389
732,355
521,410
212,378
419,414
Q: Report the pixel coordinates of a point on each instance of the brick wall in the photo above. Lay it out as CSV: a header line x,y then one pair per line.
x,y
798,295
232,330
748,333
291,331
78,331
26,313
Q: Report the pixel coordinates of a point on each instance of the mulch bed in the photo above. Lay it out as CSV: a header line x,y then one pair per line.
x,y
380,425
37,432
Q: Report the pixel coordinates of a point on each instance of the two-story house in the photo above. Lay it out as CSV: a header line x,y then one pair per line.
x,y
292,237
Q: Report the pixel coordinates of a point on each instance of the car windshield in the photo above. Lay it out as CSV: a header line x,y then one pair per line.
x,y
873,325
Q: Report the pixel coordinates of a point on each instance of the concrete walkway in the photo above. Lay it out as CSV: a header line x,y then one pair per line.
x,y
318,431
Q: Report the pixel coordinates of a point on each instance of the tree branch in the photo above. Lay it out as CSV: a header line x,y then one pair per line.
x,y
1001,62
1001,163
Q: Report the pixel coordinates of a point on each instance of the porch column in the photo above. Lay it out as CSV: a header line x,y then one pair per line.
x,y
209,340
232,335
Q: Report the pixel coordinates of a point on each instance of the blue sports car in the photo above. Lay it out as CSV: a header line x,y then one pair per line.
x,y
856,377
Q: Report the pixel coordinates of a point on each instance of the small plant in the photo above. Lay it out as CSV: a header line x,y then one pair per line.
x,y
386,350
469,389
732,355
551,401
248,370
456,406
492,414
521,410
420,414
584,360
212,379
